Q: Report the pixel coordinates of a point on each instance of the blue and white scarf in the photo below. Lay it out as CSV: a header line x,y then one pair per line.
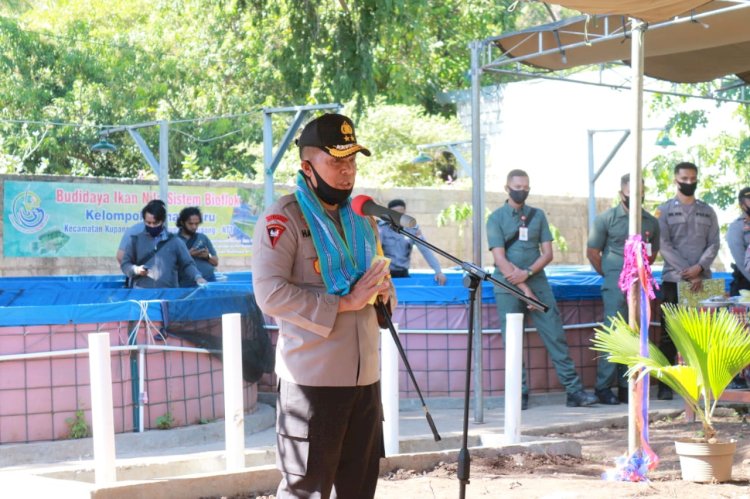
x,y
342,261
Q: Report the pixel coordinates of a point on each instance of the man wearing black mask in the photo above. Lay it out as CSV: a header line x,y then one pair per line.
x,y
520,240
606,252
738,240
689,244
155,256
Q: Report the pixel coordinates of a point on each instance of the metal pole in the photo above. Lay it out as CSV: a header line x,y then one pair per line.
x,y
477,195
164,162
592,180
267,159
639,29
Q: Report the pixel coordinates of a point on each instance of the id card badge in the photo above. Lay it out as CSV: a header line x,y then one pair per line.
x,y
648,249
523,233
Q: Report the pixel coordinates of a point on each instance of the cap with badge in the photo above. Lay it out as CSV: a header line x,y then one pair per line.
x,y
333,133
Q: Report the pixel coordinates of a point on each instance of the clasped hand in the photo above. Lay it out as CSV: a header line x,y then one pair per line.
x,y
517,276
367,286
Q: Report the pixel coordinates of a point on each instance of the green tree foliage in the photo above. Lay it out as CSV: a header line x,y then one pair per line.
x,y
723,160
96,63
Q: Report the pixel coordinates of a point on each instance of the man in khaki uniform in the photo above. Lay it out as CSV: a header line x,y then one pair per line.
x,y
689,234
312,272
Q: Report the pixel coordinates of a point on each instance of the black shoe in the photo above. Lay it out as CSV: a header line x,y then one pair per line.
x,y
524,401
665,393
622,394
606,397
581,399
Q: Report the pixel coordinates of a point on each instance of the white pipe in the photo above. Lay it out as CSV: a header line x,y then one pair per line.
x,y
85,351
234,412
389,394
513,369
142,395
102,417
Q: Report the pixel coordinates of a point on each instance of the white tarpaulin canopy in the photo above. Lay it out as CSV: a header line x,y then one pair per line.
x,y
707,43
646,10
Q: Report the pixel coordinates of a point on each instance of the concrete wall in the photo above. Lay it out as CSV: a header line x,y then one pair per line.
x,y
568,214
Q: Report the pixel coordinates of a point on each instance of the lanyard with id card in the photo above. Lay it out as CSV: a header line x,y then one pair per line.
x,y
523,230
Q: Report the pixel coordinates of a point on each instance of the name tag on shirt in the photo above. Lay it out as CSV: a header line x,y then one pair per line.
x,y
648,249
523,233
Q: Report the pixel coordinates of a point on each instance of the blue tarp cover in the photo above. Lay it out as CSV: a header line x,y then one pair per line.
x,y
95,299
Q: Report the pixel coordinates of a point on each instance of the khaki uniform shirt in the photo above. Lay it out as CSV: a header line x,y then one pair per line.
x,y
687,239
738,240
317,346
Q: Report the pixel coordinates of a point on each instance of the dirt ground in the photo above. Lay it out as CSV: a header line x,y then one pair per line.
x,y
527,476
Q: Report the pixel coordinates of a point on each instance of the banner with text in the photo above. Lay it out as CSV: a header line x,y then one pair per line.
x,y
51,219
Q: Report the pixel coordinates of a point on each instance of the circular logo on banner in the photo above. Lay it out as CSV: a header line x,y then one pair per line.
x,y
26,215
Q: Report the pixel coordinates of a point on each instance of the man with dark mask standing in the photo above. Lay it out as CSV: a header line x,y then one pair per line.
x,y
738,240
521,244
313,272
689,244
155,257
606,252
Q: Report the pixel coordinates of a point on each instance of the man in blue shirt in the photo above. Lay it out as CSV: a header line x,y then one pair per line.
x,y
155,257
398,247
198,244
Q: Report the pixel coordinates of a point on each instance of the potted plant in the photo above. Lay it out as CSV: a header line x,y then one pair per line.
x,y
714,346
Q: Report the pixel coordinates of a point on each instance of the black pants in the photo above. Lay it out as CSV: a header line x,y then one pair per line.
x,y
668,295
329,441
739,281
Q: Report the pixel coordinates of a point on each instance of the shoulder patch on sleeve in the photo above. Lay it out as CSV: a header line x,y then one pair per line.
x,y
274,230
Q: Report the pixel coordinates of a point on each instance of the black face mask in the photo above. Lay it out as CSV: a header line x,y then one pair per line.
x,y
626,200
687,189
154,231
328,194
518,196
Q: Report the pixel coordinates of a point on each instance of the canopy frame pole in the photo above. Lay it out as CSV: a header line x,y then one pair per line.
x,y
636,188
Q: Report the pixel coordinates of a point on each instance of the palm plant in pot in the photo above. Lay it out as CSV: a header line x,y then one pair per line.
x,y
714,346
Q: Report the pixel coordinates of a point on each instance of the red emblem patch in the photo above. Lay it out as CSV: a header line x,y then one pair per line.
x,y
274,233
275,216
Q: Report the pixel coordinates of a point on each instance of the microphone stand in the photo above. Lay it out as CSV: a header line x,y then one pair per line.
x,y
383,311
473,277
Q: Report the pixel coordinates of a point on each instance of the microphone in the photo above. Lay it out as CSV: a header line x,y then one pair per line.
x,y
364,205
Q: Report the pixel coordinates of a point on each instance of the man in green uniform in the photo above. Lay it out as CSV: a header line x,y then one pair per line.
x,y
521,245
605,251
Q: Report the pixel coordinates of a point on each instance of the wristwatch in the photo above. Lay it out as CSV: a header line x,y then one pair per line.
x,y
531,272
